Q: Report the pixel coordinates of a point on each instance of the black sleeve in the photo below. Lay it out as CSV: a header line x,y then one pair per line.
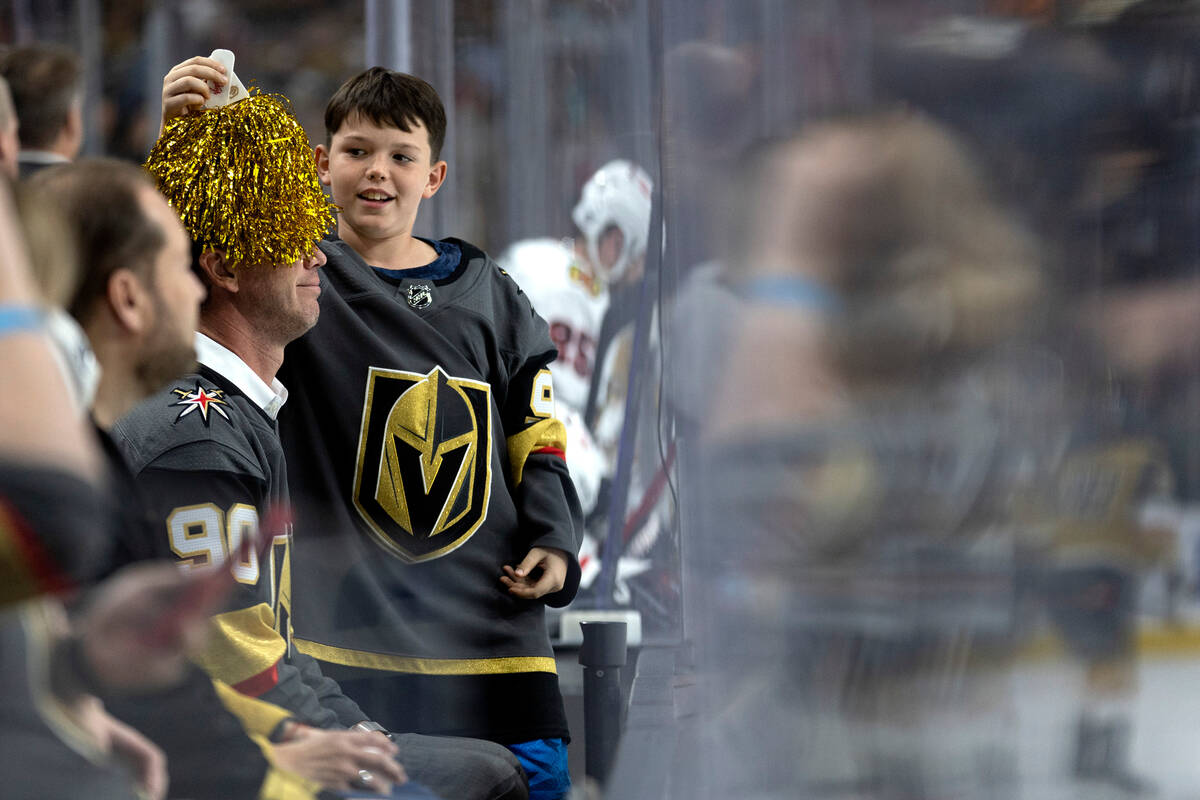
x,y
546,501
339,709
53,531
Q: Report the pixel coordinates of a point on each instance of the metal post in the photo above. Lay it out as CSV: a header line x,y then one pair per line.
x,y
433,59
157,34
91,57
388,34
525,119
602,655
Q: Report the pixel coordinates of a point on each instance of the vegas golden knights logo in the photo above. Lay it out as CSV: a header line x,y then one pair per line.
x,y
423,476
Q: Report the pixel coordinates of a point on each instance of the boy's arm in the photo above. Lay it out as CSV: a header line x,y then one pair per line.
x,y
548,508
186,87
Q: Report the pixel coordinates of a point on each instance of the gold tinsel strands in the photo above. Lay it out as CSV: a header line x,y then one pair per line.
x,y
242,178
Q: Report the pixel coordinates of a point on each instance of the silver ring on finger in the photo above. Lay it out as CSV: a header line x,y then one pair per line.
x,y
365,778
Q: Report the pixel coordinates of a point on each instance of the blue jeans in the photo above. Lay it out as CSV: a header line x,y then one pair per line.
x,y
545,763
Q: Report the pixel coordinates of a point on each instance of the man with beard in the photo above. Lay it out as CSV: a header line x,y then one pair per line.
x,y
137,300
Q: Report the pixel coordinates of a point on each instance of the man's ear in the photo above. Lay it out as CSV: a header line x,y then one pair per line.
x,y
321,155
218,272
130,300
437,175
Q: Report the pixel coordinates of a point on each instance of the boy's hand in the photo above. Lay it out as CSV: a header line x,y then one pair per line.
x,y
186,86
542,572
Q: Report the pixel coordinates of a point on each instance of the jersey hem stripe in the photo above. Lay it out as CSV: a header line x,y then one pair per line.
x,y
426,666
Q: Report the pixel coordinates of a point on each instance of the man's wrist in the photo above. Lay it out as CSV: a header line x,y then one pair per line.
x,y
370,726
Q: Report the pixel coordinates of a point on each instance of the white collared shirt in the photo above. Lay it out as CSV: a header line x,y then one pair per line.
x,y
41,157
222,360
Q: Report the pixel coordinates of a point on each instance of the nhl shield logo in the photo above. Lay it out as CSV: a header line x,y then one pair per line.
x,y
419,296
423,477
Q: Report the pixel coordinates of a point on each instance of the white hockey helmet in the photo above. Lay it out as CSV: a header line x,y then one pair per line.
x,y
618,194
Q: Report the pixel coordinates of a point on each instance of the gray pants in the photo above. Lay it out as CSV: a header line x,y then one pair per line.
x,y
455,768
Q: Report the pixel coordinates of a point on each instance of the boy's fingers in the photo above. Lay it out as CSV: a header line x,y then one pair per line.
x,y
531,560
185,84
200,61
544,586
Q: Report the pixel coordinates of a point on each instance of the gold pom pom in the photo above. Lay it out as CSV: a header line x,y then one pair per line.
x,y
242,178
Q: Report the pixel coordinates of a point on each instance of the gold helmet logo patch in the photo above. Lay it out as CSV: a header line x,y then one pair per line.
x,y
424,461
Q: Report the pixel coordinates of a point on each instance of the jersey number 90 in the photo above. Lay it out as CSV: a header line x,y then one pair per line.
x,y
203,536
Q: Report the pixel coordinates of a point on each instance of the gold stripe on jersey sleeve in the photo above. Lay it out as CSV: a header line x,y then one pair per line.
x,y
257,716
241,644
543,433
426,666
279,784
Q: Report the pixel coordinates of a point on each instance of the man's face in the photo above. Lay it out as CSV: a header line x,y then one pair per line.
x,y
283,301
378,177
177,294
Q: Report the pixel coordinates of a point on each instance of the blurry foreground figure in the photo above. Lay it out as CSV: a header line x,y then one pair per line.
x,y
854,560
130,633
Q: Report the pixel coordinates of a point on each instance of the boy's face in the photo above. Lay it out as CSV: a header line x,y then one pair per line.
x,y
378,177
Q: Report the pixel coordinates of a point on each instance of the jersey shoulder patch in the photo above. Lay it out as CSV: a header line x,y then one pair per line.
x,y
193,424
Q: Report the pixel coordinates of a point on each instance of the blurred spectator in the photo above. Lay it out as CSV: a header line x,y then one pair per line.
x,y
708,92
46,82
857,619
58,739
9,143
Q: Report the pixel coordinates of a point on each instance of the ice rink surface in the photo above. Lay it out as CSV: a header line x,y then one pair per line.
x,y
1166,736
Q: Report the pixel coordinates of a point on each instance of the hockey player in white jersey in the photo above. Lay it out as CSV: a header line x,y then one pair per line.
x,y
570,282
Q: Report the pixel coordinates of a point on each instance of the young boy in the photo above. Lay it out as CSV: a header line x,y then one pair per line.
x,y
435,517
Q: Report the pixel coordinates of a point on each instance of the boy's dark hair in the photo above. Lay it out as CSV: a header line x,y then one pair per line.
x,y
110,227
389,98
44,80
